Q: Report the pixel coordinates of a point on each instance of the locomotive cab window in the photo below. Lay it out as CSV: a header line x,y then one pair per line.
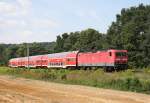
x,y
110,54
121,54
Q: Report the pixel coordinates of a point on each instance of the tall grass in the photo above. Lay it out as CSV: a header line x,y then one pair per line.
x,y
129,80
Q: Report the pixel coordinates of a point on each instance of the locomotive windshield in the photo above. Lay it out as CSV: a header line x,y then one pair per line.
x,y
121,54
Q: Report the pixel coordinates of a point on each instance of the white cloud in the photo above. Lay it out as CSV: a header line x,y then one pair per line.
x,y
16,28
25,6
26,33
19,7
27,36
7,8
8,23
24,3
34,23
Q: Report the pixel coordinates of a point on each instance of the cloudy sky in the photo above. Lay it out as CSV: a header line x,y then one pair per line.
x,y
42,20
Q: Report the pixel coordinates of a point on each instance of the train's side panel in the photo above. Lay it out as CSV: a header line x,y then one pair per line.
x,y
100,58
55,62
71,59
31,61
57,59
44,59
13,62
64,59
37,60
24,62
110,58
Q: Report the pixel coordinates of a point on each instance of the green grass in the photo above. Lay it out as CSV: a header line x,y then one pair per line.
x,y
129,80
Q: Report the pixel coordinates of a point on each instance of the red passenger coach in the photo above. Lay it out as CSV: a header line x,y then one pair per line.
x,y
64,59
13,62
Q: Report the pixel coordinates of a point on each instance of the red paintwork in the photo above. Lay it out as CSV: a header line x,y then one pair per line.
x,y
93,58
71,59
100,58
64,59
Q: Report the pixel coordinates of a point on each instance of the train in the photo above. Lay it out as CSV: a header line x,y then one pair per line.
x,y
108,59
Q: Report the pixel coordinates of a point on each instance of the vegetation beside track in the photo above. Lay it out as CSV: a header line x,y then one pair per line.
x,y
129,80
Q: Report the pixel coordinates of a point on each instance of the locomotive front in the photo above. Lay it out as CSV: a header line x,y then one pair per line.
x,y
121,59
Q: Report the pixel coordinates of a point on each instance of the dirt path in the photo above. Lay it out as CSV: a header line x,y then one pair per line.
x,y
19,90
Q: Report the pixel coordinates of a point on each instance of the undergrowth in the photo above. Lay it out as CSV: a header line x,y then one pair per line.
x,y
129,80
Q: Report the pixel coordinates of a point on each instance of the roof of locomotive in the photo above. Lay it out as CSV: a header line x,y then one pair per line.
x,y
118,50
108,50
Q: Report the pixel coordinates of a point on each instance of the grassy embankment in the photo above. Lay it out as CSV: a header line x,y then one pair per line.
x,y
129,80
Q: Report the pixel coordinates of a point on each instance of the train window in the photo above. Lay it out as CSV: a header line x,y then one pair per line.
x,y
71,59
110,54
44,61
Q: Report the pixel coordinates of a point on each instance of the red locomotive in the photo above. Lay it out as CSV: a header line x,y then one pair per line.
x,y
110,59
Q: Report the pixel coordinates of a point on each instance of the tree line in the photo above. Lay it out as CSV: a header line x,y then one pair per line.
x,y
130,31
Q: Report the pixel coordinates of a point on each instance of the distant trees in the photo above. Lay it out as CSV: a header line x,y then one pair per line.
x,y
85,40
8,51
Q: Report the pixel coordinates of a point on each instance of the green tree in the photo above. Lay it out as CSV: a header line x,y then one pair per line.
x,y
89,40
129,32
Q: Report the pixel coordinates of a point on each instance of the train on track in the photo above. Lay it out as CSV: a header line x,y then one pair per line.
x,y
108,59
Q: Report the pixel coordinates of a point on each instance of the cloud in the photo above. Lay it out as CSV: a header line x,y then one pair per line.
x,y
34,23
26,33
44,23
27,36
7,8
24,3
8,23
17,25
25,6
19,7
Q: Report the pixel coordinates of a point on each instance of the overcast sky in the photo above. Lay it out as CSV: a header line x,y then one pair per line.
x,y
42,20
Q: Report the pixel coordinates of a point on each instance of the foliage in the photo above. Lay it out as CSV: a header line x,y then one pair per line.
x,y
86,40
131,31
